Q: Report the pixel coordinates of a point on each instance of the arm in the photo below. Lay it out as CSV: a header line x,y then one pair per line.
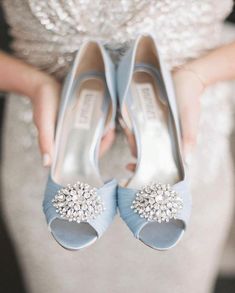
x,y
191,80
43,91
219,65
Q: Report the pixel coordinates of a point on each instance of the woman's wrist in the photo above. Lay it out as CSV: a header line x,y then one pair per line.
x,y
218,65
187,68
19,77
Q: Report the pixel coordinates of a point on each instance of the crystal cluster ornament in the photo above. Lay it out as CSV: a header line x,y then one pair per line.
x,y
78,202
157,202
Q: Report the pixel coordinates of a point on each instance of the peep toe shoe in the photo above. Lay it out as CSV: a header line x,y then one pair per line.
x,y
156,201
79,206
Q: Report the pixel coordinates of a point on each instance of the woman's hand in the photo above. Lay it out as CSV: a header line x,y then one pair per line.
x,y
190,81
43,92
45,106
189,86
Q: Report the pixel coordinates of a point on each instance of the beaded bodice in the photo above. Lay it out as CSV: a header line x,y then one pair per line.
x,y
47,33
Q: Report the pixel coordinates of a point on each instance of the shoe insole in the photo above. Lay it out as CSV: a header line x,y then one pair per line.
x,y
150,116
81,133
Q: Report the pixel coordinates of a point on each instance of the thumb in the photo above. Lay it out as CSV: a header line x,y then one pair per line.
x,y
189,113
45,106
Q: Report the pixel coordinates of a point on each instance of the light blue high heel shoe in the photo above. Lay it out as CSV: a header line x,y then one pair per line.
x,y
156,202
78,205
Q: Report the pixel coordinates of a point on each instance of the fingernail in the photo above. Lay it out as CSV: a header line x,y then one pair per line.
x,y
46,160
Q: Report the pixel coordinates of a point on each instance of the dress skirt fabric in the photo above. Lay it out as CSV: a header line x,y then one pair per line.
x,y
119,263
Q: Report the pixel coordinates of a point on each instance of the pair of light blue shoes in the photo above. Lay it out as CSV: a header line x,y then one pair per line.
x,y
155,203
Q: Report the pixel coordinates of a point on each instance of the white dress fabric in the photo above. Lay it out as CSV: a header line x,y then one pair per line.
x,y
46,34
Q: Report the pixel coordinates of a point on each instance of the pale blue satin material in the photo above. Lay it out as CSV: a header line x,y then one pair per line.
x,y
110,76
135,222
107,192
124,76
126,196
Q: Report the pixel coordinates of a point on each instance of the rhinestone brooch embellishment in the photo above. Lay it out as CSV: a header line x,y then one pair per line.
x,y
157,202
78,202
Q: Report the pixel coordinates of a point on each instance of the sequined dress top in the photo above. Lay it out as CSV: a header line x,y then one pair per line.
x,y
47,33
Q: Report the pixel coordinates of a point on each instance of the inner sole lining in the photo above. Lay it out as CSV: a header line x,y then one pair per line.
x,y
82,129
156,161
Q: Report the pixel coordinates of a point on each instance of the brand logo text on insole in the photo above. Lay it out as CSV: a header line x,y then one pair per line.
x,y
86,106
148,101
